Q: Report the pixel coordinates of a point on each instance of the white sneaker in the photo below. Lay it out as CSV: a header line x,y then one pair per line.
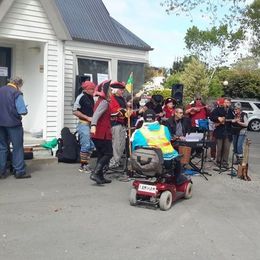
x,y
85,169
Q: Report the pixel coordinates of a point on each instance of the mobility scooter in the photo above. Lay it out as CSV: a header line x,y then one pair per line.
x,y
158,188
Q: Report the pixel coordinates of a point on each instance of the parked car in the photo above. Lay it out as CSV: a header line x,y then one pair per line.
x,y
252,108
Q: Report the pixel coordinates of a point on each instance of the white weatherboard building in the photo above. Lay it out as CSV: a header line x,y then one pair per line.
x,y
49,42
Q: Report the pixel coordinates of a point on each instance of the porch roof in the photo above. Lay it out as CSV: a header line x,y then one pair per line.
x,y
89,20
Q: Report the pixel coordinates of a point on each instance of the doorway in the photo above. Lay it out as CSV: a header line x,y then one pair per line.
x,y
5,65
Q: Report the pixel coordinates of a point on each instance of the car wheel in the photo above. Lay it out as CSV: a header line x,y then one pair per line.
x,y
165,201
254,125
132,197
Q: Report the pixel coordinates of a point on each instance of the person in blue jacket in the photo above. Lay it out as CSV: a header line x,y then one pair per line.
x,y
152,134
12,108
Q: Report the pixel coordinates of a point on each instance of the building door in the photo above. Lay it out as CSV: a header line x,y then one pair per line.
x,y
5,65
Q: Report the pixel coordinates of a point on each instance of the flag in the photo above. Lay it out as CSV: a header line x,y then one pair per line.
x,y
130,83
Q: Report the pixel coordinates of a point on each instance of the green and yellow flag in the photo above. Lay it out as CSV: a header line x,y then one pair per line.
x,y
130,83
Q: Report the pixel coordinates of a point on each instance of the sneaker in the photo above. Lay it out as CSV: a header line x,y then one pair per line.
x,y
84,168
114,165
23,176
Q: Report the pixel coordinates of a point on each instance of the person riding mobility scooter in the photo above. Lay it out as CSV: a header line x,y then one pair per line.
x,y
154,157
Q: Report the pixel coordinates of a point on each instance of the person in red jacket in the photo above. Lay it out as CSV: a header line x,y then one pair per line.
x,y
196,110
169,107
101,132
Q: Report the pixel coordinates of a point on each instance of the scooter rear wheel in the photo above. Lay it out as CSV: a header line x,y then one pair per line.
x,y
132,197
165,201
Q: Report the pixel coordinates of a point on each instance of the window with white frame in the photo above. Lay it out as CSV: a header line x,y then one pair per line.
x,y
96,70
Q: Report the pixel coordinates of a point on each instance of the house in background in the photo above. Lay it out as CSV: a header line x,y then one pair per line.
x,y
54,45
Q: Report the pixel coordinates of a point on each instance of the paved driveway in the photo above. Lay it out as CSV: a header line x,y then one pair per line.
x,y
60,214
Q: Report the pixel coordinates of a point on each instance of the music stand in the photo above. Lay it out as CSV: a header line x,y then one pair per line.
x,y
203,125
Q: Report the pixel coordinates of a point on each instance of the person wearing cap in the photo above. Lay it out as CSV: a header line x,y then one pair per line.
x,y
118,107
83,110
239,129
101,132
12,107
222,116
153,134
169,107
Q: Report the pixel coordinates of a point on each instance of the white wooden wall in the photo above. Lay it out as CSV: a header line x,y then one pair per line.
x,y
26,20
74,49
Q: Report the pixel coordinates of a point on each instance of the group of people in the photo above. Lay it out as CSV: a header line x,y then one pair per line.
x,y
103,117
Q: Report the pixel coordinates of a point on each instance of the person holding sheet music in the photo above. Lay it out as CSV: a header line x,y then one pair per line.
x,y
222,116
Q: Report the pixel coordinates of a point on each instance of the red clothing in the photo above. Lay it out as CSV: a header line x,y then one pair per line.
x,y
196,115
103,127
168,112
115,106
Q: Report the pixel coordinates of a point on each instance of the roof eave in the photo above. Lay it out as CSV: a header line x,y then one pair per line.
x,y
114,44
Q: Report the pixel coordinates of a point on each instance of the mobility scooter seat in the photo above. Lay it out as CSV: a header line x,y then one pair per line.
x,y
148,161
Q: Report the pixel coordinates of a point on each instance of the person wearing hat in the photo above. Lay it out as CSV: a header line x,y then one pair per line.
x,y
155,104
12,109
169,107
239,129
153,134
101,132
118,107
83,110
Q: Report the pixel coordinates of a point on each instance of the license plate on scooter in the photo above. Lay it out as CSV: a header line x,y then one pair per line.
x,y
147,188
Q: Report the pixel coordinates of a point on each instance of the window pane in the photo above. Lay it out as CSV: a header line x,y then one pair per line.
x,y
246,106
124,70
92,67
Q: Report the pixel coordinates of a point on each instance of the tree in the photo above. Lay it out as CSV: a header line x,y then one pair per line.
x,y
208,8
195,80
252,22
213,46
172,80
243,84
166,93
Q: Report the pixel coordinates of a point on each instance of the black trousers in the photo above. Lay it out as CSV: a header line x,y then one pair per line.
x,y
104,150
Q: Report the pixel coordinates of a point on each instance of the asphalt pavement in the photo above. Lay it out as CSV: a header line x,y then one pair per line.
x,y
60,214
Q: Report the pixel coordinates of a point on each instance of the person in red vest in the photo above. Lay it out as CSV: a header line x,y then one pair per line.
x,y
118,108
169,107
101,132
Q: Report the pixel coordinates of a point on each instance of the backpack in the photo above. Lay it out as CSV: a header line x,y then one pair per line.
x,y
147,161
68,147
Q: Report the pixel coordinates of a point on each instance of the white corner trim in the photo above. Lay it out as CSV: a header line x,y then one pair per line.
x,y
4,7
56,20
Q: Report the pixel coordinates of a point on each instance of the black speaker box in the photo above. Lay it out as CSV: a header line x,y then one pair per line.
x,y
177,93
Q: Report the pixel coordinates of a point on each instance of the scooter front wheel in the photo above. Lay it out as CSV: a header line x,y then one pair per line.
x,y
165,201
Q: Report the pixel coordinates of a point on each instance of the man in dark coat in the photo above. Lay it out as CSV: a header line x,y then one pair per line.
x,y
222,116
12,108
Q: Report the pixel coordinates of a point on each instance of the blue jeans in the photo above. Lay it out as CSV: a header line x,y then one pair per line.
x,y
12,135
238,142
86,144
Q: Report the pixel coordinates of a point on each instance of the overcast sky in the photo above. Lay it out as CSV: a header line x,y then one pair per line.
x,y
149,21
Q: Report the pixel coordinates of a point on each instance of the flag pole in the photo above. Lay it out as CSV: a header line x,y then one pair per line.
x,y
130,86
